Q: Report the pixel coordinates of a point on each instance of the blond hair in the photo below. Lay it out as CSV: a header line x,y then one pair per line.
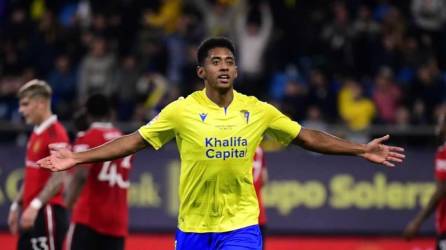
x,y
35,88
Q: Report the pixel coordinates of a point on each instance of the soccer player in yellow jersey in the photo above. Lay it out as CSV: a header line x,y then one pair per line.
x,y
217,131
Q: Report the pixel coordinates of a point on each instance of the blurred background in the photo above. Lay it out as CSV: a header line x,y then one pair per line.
x,y
355,68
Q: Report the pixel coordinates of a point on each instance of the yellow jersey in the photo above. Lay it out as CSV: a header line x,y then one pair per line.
x,y
217,147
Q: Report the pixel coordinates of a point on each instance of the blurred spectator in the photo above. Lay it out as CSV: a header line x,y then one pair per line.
x,y
314,119
167,16
37,9
337,35
9,85
151,50
63,81
294,99
99,26
252,40
176,44
429,15
18,28
151,89
127,76
45,43
364,24
12,62
84,13
427,91
385,53
366,32
67,15
411,57
402,117
190,80
386,96
280,80
96,73
322,94
394,23
381,9
219,16
355,108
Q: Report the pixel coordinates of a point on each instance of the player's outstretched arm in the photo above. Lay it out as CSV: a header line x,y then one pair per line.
x,y
414,225
374,151
62,159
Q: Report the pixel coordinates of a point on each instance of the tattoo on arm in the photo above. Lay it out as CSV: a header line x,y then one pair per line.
x,y
51,188
75,185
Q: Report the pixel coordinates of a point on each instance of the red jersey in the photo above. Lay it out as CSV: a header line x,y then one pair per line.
x,y
35,179
102,203
258,167
440,175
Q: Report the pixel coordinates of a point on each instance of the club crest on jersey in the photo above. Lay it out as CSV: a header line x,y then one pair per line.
x,y
246,115
203,116
36,146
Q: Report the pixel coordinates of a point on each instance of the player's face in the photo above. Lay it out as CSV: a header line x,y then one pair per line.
x,y
219,70
31,109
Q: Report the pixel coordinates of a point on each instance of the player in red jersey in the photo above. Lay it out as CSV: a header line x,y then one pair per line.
x,y
98,191
438,198
260,176
43,221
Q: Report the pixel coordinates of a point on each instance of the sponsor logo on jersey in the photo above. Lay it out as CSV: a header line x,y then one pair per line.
x,y
233,147
203,116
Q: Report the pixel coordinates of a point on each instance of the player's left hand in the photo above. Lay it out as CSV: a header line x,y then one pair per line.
x,y
28,217
377,152
13,219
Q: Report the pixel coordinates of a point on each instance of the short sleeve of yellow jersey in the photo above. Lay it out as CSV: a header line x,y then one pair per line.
x,y
161,129
280,126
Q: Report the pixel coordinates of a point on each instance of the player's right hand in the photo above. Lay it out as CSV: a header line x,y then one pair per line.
x,y
61,158
13,219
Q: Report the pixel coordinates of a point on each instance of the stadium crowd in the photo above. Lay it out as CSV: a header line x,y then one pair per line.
x,y
349,62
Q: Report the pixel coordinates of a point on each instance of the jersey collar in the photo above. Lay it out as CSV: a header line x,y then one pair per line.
x,y
101,125
44,125
212,104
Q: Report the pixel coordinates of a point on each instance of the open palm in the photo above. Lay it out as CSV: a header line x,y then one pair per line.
x,y
377,152
59,160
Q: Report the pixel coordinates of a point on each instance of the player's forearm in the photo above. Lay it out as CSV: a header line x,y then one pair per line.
x,y
117,148
325,143
432,204
75,186
51,188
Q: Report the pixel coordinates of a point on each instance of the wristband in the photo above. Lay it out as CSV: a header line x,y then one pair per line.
x,y
14,206
36,203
